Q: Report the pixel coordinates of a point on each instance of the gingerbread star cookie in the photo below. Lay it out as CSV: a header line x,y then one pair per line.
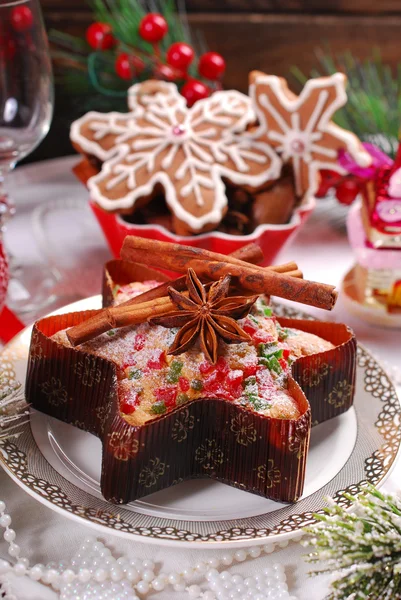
x,y
300,129
188,152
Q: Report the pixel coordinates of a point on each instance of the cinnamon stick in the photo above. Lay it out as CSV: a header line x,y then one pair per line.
x,y
117,316
253,278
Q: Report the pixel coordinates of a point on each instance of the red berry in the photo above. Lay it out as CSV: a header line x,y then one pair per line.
x,y
99,36
347,191
157,361
167,394
130,402
212,65
21,18
195,90
165,72
184,384
180,55
127,67
139,342
153,28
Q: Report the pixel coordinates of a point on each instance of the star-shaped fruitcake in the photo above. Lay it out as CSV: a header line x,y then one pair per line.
x,y
164,418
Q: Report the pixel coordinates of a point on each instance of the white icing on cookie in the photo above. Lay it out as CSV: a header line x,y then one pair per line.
x,y
187,151
301,142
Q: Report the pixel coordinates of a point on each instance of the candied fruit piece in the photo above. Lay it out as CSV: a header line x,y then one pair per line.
x,y
184,384
167,394
157,360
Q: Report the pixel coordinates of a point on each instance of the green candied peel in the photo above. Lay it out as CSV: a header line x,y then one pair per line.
x,y
262,308
197,385
115,289
135,374
283,332
175,371
111,332
269,356
158,408
182,399
251,394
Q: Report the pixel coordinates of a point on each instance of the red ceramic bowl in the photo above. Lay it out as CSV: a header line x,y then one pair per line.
x,y
271,238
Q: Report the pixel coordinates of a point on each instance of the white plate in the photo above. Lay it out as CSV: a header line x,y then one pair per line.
x,y
60,466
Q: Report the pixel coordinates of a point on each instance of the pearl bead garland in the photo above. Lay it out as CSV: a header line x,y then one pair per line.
x,y
94,574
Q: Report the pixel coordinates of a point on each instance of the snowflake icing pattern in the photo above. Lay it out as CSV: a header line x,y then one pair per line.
x,y
300,127
188,151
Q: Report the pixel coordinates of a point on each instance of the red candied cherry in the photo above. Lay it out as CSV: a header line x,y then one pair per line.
x,y
328,179
157,360
21,18
250,370
180,55
127,67
153,28
139,342
262,337
249,327
184,384
233,383
195,90
205,367
99,36
347,191
130,402
212,65
222,366
283,363
286,353
167,394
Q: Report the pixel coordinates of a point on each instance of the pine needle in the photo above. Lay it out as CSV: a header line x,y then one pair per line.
x,y
374,96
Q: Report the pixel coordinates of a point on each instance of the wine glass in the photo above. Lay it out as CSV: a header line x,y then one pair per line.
x,y
26,109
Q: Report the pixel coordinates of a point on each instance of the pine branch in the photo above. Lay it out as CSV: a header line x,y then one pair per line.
x,y
374,96
361,546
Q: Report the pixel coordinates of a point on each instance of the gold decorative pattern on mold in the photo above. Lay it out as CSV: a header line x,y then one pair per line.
x,y
54,391
244,431
184,423
209,455
87,371
340,394
150,474
122,445
269,474
313,376
296,446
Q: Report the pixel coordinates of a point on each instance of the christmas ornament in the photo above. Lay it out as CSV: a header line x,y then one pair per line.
x,y
212,66
21,18
180,55
99,36
153,28
361,545
195,90
347,191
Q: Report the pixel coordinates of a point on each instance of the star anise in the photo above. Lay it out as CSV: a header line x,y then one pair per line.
x,y
206,314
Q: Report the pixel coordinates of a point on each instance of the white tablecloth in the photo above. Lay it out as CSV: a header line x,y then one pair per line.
x,y
76,245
